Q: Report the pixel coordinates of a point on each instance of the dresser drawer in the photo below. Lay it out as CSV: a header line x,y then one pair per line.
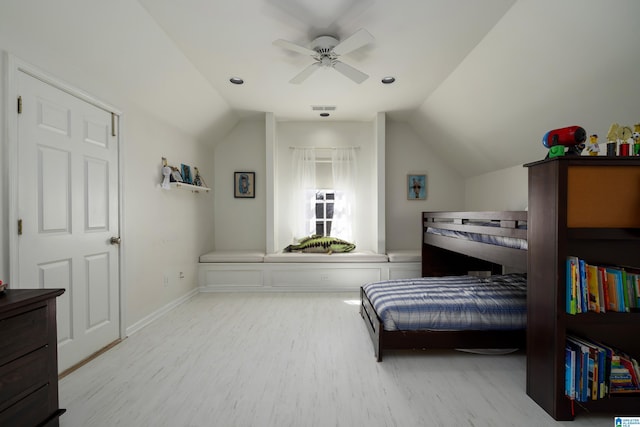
x,y
33,410
22,334
23,376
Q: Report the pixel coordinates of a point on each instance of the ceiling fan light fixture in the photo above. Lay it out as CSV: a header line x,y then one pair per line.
x,y
236,80
388,80
325,50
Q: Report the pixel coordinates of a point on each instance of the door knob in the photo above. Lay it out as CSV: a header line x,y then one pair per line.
x,y
115,240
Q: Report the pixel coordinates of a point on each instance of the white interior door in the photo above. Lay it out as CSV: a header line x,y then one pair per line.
x,y
68,207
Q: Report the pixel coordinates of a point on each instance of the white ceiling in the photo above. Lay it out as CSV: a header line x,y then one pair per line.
x,y
479,81
414,42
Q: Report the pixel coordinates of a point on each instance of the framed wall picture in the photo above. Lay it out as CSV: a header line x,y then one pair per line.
x,y
186,174
244,185
416,187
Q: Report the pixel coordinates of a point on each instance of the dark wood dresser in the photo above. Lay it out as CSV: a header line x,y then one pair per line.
x,y
29,358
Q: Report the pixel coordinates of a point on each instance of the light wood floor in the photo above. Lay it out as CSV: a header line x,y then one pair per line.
x,y
294,359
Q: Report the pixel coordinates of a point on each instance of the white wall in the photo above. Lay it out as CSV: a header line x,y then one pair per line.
x,y
240,224
407,153
164,231
505,189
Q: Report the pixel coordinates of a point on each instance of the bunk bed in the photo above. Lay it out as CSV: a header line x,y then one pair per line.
x,y
481,251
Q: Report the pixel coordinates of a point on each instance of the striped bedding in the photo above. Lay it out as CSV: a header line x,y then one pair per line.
x,y
451,303
509,242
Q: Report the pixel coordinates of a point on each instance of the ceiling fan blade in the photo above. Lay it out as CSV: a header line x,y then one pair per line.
x,y
355,41
302,76
355,75
294,47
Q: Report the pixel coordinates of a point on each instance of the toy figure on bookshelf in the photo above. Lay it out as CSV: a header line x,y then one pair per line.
x,y
612,140
593,148
636,139
624,137
569,140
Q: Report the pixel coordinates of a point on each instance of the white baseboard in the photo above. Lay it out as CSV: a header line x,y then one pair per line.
x,y
160,312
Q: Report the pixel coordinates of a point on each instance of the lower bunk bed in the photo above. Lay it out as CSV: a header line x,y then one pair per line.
x,y
488,312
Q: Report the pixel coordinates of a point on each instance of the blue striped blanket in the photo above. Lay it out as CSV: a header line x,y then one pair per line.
x,y
451,303
509,242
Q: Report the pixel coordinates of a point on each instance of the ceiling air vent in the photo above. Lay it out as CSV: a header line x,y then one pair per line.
x,y
323,107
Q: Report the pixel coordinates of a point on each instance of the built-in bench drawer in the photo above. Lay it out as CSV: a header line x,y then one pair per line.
x,y
324,277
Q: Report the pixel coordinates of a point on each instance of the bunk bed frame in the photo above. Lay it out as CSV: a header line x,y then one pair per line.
x,y
448,256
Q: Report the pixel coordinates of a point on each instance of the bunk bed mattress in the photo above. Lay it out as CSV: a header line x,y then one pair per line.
x,y
509,242
451,303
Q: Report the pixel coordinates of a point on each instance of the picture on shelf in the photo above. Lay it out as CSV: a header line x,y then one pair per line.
x,y
175,174
186,174
244,185
416,187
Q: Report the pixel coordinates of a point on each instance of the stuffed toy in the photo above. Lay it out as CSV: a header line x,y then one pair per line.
x,y
321,244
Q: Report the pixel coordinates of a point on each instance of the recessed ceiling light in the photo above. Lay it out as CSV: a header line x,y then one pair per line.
x,y
388,80
324,114
236,80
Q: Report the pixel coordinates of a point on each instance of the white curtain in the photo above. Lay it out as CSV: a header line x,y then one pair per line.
x,y
345,171
303,168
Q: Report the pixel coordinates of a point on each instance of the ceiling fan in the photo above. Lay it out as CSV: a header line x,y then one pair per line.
x,y
326,50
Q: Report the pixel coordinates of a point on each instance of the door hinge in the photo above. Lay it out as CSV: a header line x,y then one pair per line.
x,y
19,105
113,124
19,227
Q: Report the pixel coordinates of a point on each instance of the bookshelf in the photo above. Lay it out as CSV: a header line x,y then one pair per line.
x,y
587,207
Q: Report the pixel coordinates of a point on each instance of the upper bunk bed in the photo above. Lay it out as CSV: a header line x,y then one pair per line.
x,y
458,242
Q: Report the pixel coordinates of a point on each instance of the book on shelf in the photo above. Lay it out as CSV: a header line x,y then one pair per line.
x,y
596,370
601,288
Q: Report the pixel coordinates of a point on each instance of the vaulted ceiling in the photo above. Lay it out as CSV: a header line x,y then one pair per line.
x,y
479,81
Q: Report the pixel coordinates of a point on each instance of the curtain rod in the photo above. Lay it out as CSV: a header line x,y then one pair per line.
x,y
324,148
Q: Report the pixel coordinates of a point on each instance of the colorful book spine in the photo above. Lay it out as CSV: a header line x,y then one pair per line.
x,y
601,288
595,370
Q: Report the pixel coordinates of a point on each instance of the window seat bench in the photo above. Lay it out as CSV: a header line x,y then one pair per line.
x,y
282,271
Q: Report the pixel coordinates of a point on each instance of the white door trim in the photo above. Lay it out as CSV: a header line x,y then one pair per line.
x,y
13,67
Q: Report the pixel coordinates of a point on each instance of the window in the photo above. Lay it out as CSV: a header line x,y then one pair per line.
x,y
324,212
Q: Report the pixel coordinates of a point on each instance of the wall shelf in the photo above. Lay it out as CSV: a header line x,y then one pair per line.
x,y
192,188
177,178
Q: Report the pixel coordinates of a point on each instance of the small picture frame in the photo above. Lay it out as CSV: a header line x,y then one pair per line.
x,y
416,187
244,185
186,174
176,176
